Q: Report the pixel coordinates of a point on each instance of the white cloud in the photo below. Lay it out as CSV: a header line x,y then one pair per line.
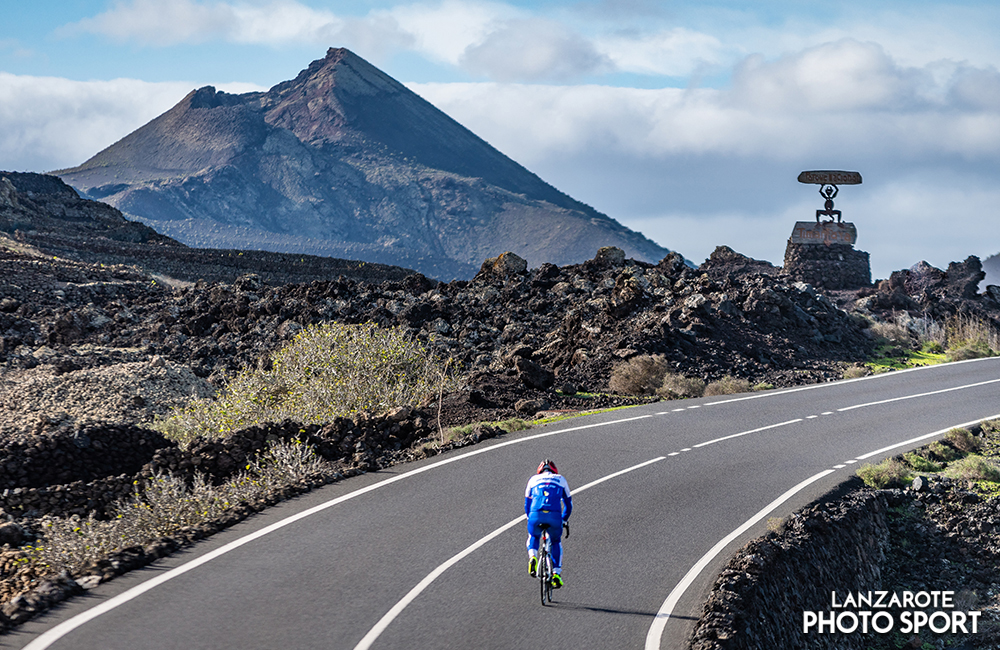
x,y
673,52
445,30
534,50
48,123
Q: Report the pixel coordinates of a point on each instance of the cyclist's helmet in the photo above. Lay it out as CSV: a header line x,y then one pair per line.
x,y
547,466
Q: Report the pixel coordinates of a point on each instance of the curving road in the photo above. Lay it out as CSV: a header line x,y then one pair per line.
x,y
431,554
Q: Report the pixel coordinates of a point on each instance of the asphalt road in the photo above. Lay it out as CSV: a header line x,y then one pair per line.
x,y
431,554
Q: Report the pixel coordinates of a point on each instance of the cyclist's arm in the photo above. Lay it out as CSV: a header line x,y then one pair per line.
x,y
568,505
527,505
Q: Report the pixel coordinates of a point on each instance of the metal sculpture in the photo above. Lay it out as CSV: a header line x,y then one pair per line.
x,y
828,182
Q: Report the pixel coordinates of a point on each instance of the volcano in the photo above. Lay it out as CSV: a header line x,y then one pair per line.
x,y
342,161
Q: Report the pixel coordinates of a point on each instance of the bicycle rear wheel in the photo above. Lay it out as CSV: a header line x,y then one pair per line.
x,y
544,569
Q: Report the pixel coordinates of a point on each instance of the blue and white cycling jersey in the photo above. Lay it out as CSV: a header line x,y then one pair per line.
x,y
548,492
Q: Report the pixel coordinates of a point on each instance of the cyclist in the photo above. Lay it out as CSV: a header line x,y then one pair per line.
x,y
547,501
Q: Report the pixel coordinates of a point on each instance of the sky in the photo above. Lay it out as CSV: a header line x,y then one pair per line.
x,y
687,120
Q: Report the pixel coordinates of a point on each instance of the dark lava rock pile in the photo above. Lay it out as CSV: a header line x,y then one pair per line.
x,y
939,534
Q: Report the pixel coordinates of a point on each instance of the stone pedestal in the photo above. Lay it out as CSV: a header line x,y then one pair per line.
x,y
823,255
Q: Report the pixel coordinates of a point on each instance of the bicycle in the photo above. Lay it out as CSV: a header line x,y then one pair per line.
x,y
544,570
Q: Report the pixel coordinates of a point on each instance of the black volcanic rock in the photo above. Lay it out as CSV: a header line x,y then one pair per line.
x,y
343,161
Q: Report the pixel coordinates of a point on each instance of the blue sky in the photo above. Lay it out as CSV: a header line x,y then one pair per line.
x,y
686,120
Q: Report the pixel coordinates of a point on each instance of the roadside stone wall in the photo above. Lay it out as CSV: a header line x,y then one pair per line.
x,y
833,266
760,596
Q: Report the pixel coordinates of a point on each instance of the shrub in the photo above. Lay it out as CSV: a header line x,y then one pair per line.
x,y
973,468
164,504
854,371
640,375
762,386
967,352
677,386
963,440
991,427
727,386
972,336
326,371
890,472
891,333
932,347
920,463
942,451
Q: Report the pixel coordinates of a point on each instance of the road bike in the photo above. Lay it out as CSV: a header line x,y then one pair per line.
x,y
544,570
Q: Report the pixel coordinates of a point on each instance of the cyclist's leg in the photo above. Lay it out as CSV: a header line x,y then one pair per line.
x,y
534,537
555,533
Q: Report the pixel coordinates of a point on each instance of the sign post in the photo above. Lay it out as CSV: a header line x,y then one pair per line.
x,y
828,181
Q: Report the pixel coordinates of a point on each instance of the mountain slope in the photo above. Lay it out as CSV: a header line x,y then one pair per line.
x,y
343,161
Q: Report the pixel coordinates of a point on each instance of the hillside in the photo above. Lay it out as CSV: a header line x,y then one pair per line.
x,y
342,161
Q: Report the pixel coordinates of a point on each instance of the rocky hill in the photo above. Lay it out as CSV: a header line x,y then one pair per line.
x,y
343,161
41,213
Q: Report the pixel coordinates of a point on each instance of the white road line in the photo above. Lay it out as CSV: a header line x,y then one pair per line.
x,y
655,633
686,449
839,466
827,413
398,608
850,462
906,397
679,410
746,433
811,417
843,382
53,634
674,453
925,437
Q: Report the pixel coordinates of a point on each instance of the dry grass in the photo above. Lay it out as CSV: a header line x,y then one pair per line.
x,y
727,386
641,375
165,504
854,371
889,473
973,468
962,440
677,386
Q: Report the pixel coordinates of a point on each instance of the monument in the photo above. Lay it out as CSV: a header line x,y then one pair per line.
x,y
822,252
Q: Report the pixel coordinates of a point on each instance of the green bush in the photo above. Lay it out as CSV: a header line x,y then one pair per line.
x,y
889,473
727,386
962,440
920,463
942,451
326,371
677,386
991,427
640,375
974,468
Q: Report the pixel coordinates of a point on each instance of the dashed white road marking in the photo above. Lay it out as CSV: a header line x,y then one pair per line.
x,y
839,466
398,608
746,433
655,634
811,417
906,397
